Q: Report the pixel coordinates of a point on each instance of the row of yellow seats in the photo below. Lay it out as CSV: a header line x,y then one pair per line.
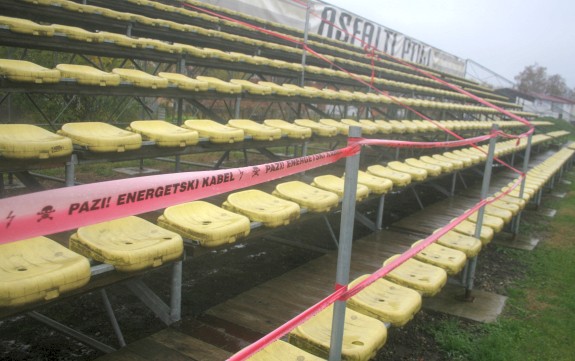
x,y
20,70
40,269
29,27
20,141
208,225
397,301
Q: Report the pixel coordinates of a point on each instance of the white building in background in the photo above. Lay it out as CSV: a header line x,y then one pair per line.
x,y
551,106
542,105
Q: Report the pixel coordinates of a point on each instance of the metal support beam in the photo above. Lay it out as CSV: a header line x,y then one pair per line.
x,y
151,300
472,263
522,188
344,251
112,317
71,332
380,209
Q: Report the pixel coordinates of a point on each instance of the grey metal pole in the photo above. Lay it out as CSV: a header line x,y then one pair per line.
x,y
484,189
176,292
344,251
515,230
380,208
71,170
305,38
112,316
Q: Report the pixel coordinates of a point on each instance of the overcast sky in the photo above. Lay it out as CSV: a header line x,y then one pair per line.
x,y
502,35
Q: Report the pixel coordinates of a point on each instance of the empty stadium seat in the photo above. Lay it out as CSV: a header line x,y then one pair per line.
x,y
335,184
256,130
205,223
37,269
422,277
214,131
164,134
25,71
101,137
386,301
87,75
288,129
26,141
363,335
129,244
262,207
307,196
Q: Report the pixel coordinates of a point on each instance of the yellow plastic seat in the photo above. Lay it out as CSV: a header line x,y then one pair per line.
x,y
26,141
490,221
467,161
504,214
278,89
432,170
417,174
386,301
396,127
456,163
319,129
256,130
422,277
474,157
221,85
129,244
164,134
307,196
376,185
101,137
501,204
219,54
363,335
192,50
24,26
307,93
141,79
290,130
76,33
381,127
87,75
366,129
410,127
461,242
446,167
399,179
214,131
118,39
451,260
37,269
183,82
25,71
468,228
205,223
335,184
512,199
251,87
262,207
341,127
282,351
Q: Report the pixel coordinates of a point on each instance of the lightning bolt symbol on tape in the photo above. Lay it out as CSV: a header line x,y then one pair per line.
x,y
10,218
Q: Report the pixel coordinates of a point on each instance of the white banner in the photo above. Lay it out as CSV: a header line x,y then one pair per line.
x,y
350,28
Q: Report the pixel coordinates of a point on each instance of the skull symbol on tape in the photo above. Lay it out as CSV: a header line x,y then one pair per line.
x,y
45,213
